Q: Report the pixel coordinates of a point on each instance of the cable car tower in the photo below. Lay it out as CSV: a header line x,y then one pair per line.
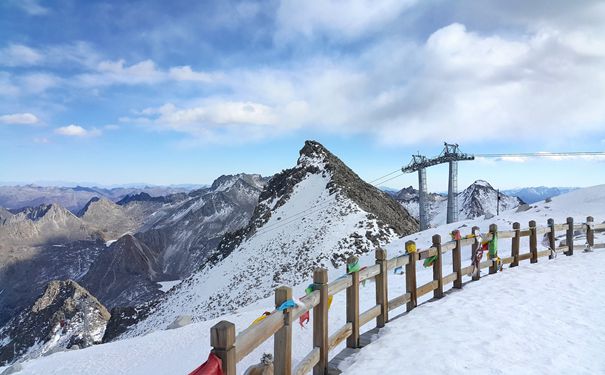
x,y
451,154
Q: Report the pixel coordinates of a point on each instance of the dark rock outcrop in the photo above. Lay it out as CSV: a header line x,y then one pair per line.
x,y
126,273
65,315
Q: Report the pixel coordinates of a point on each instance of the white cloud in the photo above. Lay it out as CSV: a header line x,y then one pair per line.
x,y
31,7
19,55
214,121
335,19
38,82
19,119
77,131
184,73
145,72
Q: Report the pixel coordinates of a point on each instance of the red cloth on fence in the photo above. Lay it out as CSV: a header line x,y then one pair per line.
x,y
213,366
304,318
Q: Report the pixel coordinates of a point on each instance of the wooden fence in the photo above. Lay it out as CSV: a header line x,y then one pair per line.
x,y
232,349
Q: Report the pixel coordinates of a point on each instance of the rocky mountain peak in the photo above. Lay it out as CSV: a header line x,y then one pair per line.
x,y
65,315
481,184
315,214
96,203
313,152
226,182
141,197
5,215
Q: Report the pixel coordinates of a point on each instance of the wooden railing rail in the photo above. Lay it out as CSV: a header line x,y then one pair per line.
x,y
232,348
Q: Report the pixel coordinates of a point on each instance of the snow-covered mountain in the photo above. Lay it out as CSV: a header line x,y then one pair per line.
x,y
185,232
535,194
317,213
181,350
65,315
479,199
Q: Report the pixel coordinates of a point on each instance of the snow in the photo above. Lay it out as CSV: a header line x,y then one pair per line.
x,y
167,285
543,317
249,274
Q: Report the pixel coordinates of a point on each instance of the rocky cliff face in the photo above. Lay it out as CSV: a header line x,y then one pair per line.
x,y
25,271
126,273
315,214
185,232
44,224
64,316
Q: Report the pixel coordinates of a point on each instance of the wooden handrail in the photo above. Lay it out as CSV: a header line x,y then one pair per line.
x,y
369,272
339,284
232,349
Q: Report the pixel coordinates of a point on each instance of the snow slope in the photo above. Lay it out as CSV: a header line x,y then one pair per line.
x,y
181,350
281,246
540,319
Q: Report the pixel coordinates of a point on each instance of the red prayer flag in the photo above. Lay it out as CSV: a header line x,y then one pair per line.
x,y
213,366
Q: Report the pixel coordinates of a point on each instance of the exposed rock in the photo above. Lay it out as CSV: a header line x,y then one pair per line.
x,y
25,271
124,317
524,207
126,273
42,225
63,316
185,233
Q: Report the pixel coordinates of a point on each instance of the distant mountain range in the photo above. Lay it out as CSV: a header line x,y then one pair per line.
x,y
536,194
73,198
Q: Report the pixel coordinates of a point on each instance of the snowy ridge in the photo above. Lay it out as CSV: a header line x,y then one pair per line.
x,y
283,254
276,249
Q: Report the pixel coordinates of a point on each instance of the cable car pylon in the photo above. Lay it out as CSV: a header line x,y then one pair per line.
x,y
451,154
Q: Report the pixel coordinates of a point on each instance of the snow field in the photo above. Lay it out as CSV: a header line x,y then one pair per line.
x,y
545,318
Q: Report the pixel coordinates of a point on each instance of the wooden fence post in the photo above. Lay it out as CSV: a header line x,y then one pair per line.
x,y
438,267
533,242
569,237
282,340
222,340
382,296
474,247
552,238
515,244
410,278
493,229
353,306
320,321
457,262
589,233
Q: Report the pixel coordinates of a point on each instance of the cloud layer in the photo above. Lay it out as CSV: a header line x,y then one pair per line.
x,y
400,72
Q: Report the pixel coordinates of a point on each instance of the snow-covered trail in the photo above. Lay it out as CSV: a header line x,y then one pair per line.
x,y
545,318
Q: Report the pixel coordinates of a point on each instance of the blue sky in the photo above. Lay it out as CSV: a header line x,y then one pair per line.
x,y
181,92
